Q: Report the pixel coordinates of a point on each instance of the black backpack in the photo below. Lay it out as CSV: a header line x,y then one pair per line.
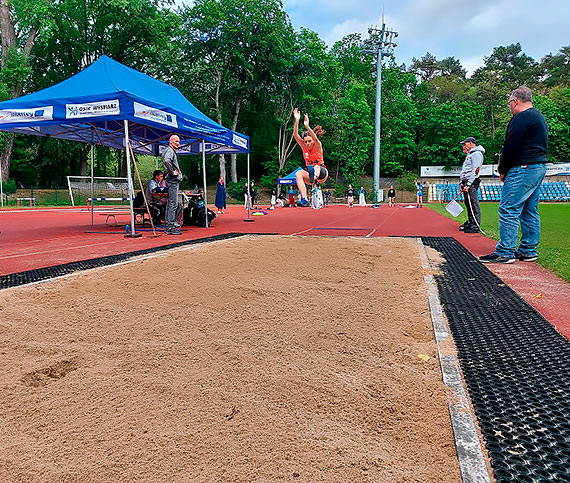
x,y
201,217
138,201
194,215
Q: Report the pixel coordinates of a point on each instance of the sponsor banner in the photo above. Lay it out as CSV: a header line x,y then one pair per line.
x,y
239,141
92,109
558,169
156,115
552,169
441,172
34,114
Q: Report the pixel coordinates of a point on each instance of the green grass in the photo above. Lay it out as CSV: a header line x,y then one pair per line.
x,y
554,247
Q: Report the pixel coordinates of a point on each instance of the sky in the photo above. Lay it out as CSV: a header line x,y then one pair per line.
x,y
466,30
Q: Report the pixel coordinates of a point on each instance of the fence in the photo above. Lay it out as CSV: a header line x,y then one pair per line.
x,y
42,196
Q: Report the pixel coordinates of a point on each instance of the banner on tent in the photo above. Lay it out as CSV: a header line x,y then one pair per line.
x,y
92,109
156,115
239,141
33,114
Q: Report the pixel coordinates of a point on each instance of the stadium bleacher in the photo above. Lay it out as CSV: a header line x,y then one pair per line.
x,y
492,191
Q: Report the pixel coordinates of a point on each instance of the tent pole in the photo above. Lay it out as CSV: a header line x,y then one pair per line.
x,y
92,190
1,187
204,176
248,192
129,179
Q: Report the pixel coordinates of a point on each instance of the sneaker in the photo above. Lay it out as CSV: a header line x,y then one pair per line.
x,y
525,258
173,231
471,229
303,202
494,258
177,225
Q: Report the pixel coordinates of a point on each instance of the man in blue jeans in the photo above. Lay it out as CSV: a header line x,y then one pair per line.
x,y
521,168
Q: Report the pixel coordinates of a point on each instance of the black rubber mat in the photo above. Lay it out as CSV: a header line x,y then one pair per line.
x,y
516,367
29,276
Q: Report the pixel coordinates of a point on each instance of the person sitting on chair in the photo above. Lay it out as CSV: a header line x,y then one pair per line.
x,y
157,205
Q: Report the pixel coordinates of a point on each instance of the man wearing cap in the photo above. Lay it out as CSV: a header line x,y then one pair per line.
x,y
469,183
521,168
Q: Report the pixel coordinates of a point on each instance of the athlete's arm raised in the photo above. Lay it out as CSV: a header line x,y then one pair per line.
x,y
297,116
316,140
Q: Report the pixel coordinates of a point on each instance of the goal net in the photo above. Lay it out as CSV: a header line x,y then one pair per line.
x,y
105,190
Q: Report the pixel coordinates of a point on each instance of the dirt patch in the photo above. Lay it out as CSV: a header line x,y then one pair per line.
x,y
256,359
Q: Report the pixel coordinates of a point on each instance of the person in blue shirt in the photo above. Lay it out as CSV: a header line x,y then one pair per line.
x,y
419,194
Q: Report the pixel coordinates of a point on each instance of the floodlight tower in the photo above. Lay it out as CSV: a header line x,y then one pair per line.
x,y
380,43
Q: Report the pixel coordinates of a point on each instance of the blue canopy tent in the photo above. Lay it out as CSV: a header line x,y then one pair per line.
x,y
113,105
290,178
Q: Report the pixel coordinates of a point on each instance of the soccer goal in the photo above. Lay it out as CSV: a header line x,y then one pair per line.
x,y
104,189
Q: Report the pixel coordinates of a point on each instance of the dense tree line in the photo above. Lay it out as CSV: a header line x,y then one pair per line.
x,y
243,64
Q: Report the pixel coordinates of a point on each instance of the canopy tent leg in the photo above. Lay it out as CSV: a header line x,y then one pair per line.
x,y
130,180
1,187
92,189
204,176
248,192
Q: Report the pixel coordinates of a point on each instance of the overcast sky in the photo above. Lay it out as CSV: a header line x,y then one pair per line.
x,y
466,30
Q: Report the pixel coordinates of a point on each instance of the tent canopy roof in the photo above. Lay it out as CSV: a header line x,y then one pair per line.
x,y
290,178
91,107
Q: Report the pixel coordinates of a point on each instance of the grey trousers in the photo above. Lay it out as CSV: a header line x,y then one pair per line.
x,y
172,203
472,203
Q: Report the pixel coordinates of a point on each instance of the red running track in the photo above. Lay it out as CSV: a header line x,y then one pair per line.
x,y
37,238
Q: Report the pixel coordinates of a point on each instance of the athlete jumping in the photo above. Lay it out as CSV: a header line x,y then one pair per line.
x,y
316,171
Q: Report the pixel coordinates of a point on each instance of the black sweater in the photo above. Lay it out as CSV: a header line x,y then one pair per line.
x,y
525,140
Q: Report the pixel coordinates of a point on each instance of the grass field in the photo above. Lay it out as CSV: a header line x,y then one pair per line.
x,y
554,248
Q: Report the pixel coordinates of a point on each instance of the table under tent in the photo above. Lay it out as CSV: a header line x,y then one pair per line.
x,y
110,104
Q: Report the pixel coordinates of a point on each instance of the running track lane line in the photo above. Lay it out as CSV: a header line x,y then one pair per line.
x,y
351,217
383,221
39,240
313,227
59,249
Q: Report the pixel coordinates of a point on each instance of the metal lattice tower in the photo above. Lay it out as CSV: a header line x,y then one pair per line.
x,y
381,44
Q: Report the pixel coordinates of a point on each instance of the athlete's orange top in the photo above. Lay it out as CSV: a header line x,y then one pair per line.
x,y
313,157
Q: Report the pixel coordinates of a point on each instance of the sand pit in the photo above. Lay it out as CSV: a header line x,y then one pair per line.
x,y
231,362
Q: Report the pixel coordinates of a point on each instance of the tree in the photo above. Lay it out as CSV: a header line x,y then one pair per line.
x,y
20,23
557,68
425,68
445,125
356,131
504,70
399,121
76,33
555,109
245,47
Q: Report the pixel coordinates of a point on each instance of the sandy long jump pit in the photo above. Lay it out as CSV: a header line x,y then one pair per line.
x,y
252,359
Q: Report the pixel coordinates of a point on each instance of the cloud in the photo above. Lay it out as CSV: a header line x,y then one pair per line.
x,y
349,26
469,31
471,64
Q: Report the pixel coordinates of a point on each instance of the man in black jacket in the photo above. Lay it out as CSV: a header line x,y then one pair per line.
x,y
521,168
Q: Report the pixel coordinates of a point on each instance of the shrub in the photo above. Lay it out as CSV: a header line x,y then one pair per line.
x,y
235,190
